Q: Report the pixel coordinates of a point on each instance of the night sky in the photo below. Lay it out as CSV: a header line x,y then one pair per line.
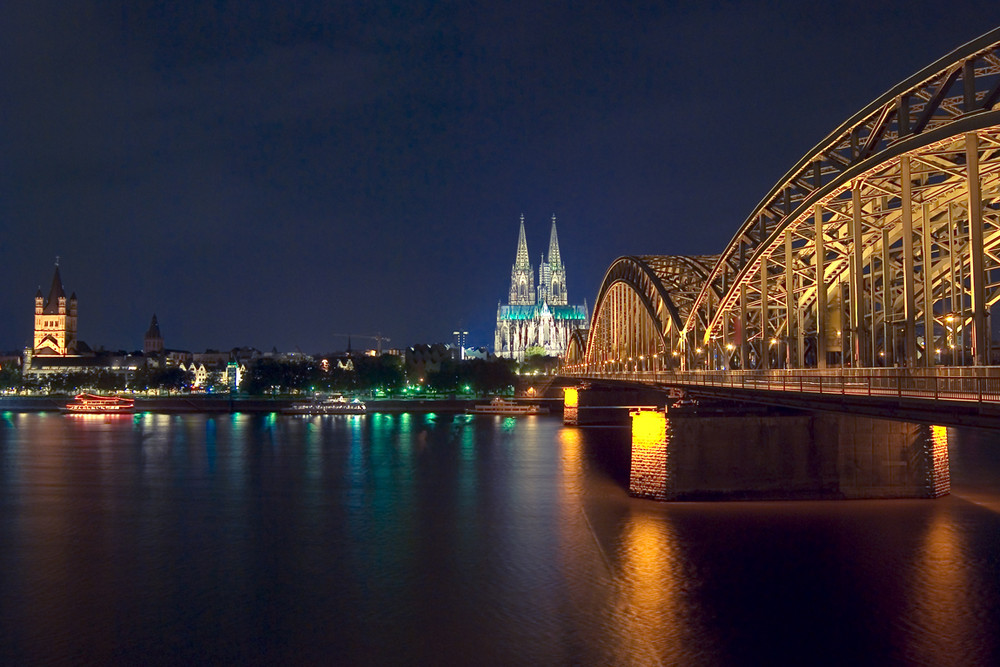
x,y
273,173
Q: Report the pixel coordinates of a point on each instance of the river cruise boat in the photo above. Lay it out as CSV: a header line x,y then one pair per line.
x,y
501,406
92,404
329,405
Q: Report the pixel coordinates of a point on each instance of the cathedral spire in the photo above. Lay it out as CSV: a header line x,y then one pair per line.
x,y
522,278
554,260
521,260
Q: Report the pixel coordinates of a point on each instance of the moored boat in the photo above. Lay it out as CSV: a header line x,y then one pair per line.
x,y
329,405
93,404
501,406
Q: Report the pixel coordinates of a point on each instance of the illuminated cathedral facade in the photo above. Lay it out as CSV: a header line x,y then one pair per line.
x,y
537,318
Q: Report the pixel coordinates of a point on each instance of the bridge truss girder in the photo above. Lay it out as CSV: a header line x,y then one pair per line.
x,y
880,247
641,308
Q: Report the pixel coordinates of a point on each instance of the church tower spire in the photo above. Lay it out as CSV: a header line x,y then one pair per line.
x,y
521,260
557,272
522,277
555,261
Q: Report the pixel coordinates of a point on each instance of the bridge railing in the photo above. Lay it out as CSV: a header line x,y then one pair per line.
x,y
980,384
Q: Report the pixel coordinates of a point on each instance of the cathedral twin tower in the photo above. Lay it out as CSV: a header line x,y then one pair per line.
x,y
537,321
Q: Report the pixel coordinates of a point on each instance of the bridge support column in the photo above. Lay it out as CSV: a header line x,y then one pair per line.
x,y
888,328
765,334
859,341
744,352
791,308
820,288
980,334
909,298
925,271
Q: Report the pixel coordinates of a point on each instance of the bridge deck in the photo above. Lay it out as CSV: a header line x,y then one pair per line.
x,y
951,396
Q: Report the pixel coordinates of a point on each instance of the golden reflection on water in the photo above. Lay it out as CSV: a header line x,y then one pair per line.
x,y
650,611
631,563
940,615
571,456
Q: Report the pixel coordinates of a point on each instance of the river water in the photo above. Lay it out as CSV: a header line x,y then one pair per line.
x,y
454,539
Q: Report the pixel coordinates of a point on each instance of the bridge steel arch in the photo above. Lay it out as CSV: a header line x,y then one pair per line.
x,y
880,247
576,350
641,308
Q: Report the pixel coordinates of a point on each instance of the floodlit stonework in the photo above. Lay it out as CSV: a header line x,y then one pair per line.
x,y
539,318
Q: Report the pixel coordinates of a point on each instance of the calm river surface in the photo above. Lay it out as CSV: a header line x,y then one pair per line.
x,y
452,539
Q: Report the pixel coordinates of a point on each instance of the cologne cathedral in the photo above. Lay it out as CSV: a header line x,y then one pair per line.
x,y
537,318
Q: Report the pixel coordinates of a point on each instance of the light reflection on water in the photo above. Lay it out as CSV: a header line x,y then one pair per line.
x,y
425,539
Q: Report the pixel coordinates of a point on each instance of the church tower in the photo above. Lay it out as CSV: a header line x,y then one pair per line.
x,y
557,272
522,277
153,341
55,321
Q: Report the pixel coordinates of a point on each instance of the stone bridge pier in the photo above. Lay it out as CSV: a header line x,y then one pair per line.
x,y
723,454
723,450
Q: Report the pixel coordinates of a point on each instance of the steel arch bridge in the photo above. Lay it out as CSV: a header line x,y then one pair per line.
x,y
879,248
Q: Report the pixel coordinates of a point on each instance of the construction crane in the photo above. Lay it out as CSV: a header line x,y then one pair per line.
x,y
378,338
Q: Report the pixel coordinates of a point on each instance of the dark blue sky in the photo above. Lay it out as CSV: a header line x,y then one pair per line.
x,y
270,173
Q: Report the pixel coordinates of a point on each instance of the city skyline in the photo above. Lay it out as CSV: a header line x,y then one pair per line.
x,y
267,175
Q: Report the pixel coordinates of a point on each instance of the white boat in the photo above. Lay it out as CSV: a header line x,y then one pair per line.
x,y
501,406
329,405
92,404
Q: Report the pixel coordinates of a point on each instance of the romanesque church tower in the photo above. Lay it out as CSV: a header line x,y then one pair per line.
x,y
55,321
